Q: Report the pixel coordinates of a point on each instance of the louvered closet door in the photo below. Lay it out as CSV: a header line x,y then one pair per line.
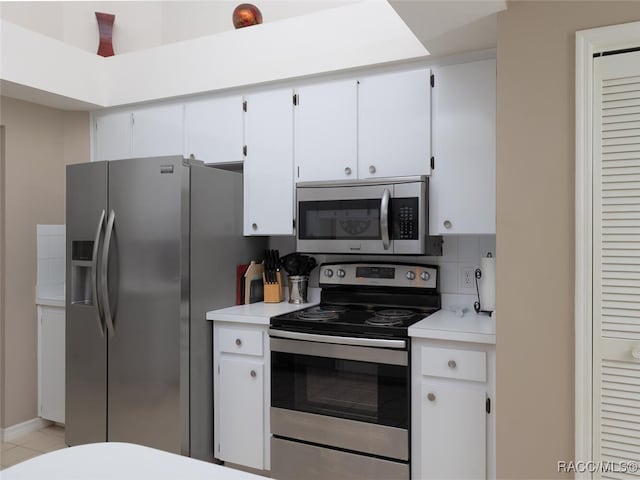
x,y
616,274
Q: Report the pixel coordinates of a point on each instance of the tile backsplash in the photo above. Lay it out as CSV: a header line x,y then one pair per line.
x,y
51,261
460,253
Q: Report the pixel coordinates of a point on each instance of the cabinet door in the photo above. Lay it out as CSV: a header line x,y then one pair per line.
x,y
241,404
213,130
268,167
112,136
453,431
158,131
326,132
394,124
463,182
51,363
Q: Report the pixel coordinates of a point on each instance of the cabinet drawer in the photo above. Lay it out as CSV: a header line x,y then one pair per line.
x,y
247,342
452,363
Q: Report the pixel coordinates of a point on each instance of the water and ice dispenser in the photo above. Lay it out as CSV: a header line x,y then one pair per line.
x,y
81,272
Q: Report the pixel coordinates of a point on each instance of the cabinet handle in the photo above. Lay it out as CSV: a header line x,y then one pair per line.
x,y
254,226
238,342
253,374
372,169
431,397
447,224
452,364
347,171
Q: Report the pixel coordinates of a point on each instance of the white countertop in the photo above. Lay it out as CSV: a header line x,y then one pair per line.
x,y
260,313
119,461
447,325
50,301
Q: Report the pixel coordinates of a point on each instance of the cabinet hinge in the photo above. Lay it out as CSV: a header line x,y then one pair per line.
x,y
488,405
218,369
133,119
218,448
294,223
433,163
244,106
433,80
244,150
295,99
298,171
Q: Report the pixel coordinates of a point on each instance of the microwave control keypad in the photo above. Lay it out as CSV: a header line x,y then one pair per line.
x,y
406,218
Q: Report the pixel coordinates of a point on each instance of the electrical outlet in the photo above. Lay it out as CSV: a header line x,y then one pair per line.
x,y
467,276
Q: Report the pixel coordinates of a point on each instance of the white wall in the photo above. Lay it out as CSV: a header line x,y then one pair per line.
x,y
144,24
190,19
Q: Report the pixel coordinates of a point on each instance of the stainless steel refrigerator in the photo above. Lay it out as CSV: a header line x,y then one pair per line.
x,y
152,245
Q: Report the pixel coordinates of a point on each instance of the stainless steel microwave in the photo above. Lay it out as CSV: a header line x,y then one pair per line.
x,y
385,216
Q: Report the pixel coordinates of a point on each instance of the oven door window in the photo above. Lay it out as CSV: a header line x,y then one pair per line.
x,y
361,391
339,219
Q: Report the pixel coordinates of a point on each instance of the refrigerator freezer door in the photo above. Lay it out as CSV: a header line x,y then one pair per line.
x,y
148,298
86,348
217,247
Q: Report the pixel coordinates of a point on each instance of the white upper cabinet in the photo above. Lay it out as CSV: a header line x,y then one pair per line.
x,y
214,130
112,136
326,131
158,131
463,183
268,167
394,124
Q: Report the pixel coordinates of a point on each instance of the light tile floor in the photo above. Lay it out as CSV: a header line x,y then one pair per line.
x,y
31,445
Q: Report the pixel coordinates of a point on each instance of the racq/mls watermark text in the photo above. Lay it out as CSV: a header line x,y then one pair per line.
x,y
600,467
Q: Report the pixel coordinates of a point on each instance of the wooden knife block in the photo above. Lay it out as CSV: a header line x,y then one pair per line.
x,y
273,292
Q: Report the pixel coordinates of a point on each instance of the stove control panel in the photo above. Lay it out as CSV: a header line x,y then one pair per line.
x,y
383,274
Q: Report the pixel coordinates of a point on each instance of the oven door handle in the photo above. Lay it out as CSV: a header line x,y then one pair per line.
x,y
384,218
361,342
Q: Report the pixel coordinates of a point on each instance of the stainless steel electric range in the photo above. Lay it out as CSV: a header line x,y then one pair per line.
x,y
340,373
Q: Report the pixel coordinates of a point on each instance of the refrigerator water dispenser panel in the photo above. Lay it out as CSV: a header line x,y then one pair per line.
x,y
81,292
81,250
81,271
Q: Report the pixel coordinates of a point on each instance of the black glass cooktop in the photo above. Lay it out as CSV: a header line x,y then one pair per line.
x,y
364,321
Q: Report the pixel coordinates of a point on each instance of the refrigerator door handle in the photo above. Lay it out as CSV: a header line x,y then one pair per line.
x,y
104,276
94,273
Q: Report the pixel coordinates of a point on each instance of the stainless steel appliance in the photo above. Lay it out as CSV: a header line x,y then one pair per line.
x,y
340,373
152,244
385,216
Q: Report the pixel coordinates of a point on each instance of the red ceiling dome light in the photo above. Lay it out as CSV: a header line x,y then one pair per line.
x,y
245,15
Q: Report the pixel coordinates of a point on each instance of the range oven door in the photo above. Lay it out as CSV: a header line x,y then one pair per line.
x,y
351,397
384,218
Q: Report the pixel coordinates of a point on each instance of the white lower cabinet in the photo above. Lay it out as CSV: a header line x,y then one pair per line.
x,y
453,426
457,413
241,394
51,362
242,420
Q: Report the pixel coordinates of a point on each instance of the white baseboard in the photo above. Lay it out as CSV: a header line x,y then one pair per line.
x,y
21,429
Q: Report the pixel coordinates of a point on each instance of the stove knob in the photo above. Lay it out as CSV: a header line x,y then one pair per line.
x,y
328,273
425,276
411,275
341,273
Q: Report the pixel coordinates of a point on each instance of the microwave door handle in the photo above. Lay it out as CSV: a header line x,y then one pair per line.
x,y
384,218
